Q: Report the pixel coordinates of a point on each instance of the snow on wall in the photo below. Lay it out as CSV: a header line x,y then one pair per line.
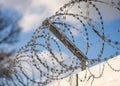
x,y
108,78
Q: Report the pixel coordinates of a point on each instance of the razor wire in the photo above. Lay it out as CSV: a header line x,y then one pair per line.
x,y
45,58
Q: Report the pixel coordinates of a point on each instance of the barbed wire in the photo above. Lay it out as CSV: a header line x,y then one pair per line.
x,y
45,58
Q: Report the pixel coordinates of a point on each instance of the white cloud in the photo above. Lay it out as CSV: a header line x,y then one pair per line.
x,y
29,21
34,11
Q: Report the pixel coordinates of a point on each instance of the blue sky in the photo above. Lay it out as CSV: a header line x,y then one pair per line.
x,y
33,12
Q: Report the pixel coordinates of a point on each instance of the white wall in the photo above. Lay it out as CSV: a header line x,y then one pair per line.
x,y
109,77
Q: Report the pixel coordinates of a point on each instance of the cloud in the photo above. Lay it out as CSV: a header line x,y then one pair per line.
x,y
29,21
34,11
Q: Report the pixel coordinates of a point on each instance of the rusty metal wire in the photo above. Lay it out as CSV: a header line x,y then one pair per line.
x,y
45,58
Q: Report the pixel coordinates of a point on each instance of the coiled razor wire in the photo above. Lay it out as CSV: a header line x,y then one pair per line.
x,y
46,58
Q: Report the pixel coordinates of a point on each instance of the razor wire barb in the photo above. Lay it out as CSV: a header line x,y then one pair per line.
x,y
45,58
